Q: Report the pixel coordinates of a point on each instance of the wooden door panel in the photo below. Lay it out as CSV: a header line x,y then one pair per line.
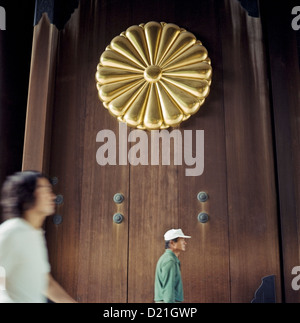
x,y
167,198
252,208
88,249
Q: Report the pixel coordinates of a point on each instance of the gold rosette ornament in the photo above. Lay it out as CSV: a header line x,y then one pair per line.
x,y
154,76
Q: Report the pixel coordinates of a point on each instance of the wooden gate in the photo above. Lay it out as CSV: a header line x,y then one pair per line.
x,y
97,260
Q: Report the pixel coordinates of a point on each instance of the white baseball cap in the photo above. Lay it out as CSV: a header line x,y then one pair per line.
x,y
173,234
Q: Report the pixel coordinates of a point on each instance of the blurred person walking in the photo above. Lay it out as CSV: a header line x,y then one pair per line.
x,y
27,199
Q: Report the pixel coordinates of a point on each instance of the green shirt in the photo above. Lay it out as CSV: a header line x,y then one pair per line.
x,y
168,284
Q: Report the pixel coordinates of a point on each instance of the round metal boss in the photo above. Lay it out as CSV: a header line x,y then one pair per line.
x,y
57,219
118,218
202,196
118,198
202,217
59,199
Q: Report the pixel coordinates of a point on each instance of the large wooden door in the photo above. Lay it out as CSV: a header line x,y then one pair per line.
x,y
97,260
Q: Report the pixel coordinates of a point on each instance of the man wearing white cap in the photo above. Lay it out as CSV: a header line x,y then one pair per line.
x,y
168,284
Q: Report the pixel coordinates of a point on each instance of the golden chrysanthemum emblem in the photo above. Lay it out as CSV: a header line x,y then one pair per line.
x,y
154,75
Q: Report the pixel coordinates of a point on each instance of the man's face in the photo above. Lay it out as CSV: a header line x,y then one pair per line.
x,y
44,198
180,245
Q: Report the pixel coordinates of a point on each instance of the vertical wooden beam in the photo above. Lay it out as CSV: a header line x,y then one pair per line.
x,y
40,95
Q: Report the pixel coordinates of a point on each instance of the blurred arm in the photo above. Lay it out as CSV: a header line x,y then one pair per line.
x,y
56,293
